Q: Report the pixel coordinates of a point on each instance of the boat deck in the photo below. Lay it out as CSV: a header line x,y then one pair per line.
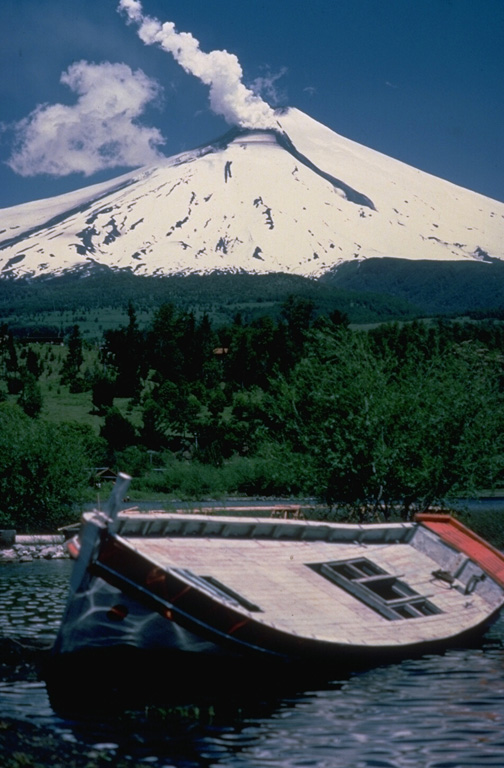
x,y
274,574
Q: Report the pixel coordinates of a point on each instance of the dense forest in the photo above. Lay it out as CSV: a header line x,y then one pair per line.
x,y
97,300
376,423
435,287
368,291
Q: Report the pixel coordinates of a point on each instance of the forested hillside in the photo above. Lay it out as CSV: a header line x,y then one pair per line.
x,y
374,423
436,287
97,299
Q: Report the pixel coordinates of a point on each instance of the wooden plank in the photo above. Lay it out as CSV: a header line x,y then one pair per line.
x,y
274,575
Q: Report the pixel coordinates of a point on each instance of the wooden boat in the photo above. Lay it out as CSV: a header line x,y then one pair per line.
x,y
197,590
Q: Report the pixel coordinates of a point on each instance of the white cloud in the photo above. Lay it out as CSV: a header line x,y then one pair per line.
x,y
98,132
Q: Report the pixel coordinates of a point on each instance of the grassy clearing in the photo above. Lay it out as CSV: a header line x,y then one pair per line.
x,y
59,404
92,322
174,479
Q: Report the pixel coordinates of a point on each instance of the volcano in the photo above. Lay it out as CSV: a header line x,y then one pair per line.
x,y
297,199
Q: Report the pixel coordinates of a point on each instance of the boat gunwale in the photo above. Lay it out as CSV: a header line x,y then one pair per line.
x,y
224,526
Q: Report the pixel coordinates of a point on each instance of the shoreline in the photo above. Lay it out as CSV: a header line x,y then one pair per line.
x,y
26,744
26,549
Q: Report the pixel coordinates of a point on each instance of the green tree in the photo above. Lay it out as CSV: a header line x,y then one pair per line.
x,y
166,352
298,313
123,355
117,431
30,398
33,363
71,367
43,471
103,392
8,352
383,437
170,409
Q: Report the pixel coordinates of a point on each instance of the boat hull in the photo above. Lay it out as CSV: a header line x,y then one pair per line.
x,y
192,606
114,677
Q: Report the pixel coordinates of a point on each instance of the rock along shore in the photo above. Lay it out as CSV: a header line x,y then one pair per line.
x,y
25,549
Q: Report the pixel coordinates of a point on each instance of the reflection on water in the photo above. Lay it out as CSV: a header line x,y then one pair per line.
x,y
436,712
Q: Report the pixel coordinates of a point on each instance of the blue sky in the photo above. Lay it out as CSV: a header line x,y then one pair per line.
x,y
420,80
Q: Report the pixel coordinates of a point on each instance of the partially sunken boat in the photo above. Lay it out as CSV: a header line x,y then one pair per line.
x,y
199,591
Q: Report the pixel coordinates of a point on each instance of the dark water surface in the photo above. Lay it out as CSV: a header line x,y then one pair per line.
x,y
436,712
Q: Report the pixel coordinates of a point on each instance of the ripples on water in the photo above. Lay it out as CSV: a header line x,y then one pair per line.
x,y
32,597
436,712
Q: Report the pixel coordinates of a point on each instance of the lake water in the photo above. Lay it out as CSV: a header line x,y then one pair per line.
x,y
443,711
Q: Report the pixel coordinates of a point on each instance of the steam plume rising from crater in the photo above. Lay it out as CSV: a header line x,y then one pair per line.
x,y
220,70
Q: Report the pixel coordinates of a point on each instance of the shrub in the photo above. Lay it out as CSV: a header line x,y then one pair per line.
x,y
383,434
43,471
117,431
30,398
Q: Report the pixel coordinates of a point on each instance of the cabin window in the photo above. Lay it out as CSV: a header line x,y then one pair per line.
x,y
217,589
222,590
384,593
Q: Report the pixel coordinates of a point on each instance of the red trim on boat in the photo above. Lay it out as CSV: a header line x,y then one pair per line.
x,y
73,548
237,626
180,594
461,538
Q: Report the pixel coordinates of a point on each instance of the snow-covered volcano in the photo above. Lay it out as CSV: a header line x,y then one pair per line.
x,y
300,199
